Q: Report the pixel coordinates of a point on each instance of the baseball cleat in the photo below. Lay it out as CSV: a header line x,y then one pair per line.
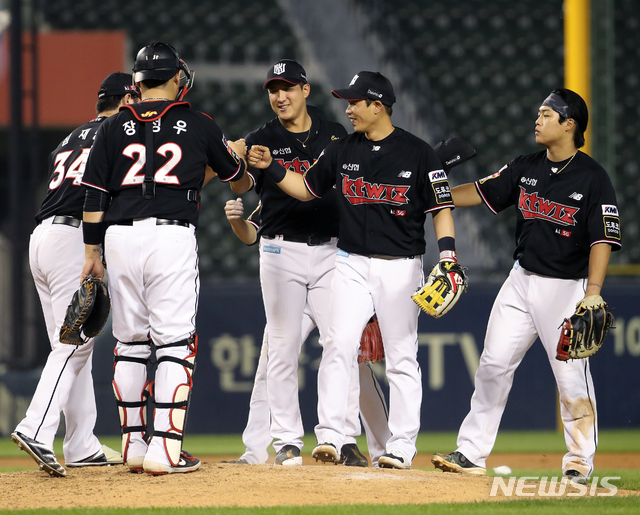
x,y
289,455
326,452
188,463
105,456
394,460
456,462
350,456
41,453
573,476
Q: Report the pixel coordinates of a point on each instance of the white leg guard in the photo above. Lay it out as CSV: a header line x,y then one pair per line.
x,y
131,389
172,394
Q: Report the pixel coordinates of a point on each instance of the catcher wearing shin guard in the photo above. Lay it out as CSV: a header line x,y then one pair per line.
x,y
144,176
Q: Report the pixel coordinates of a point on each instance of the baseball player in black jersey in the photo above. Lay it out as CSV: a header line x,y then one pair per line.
x,y
386,181
55,258
297,256
372,405
567,224
144,176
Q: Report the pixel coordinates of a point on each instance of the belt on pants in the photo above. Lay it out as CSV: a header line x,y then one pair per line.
x,y
309,240
66,220
159,221
384,256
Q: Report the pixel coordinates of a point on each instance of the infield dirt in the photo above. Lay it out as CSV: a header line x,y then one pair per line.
x,y
217,484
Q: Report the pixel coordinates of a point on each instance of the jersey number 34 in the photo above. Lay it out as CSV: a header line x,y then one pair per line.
x,y
75,170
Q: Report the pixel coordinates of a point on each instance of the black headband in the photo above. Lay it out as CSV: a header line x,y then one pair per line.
x,y
555,102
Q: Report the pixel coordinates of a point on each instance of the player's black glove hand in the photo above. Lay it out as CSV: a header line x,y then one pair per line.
x,y
87,313
583,334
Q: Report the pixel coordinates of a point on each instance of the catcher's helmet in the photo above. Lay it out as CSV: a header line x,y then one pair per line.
x,y
160,61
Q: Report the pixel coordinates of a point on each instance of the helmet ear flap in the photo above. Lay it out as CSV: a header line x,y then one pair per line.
x,y
186,80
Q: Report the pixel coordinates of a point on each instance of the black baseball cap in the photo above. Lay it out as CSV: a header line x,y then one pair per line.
x,y
371,85
117,84
287,70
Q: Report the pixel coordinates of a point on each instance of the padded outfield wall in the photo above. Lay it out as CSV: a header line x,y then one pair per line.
x,y
230,326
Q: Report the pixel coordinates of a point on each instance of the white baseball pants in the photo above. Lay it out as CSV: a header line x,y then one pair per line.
x,y
361,286
154,286
56,256
530,306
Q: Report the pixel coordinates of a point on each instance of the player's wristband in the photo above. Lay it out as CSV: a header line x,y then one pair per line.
x,y
93,233
447,247
276,171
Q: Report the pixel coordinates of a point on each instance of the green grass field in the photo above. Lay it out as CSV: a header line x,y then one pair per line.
x,y
428,443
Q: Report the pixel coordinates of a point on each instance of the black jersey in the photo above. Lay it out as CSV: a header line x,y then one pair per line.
x,y
385,189
559,215
280,213
65,193
185,142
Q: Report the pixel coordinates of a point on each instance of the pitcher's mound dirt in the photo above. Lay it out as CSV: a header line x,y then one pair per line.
x,y
218,484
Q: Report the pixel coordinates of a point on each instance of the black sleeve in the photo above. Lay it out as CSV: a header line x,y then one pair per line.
x,y
95,200
497,190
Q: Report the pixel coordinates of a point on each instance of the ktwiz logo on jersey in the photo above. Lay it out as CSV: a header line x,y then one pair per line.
x,y
297,165
358,191
532,206
437,175
609,210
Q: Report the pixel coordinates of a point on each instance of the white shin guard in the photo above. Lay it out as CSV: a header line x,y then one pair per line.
x,y
172,393
131,390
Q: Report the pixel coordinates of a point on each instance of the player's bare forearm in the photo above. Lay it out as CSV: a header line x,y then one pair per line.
x,y
598,263
443,224
292,184
92,262
245,231
93,217
466,195
243,185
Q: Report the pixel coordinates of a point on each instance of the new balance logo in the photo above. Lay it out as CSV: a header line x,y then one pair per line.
x,y
404,174
576,196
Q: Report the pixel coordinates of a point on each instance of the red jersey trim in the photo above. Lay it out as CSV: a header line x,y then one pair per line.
x,y
610,242
240,169
304,177
152,115
484,199
450,206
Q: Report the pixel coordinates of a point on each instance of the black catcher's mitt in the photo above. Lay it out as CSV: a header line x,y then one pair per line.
x,y
584,333
452,152
371,348
87,313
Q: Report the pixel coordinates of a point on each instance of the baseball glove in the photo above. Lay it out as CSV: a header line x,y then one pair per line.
x,y
584,333
371,349
452,152
87,313
444,286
